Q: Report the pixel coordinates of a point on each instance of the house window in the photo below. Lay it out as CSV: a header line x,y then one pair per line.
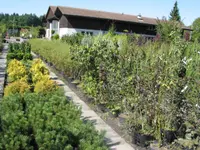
x,y
54,25
88,33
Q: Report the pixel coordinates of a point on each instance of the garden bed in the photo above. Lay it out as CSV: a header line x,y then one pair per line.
x,y
35,113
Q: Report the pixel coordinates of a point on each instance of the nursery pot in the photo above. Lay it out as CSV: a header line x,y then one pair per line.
x,y
90,99
122,119
102,107
50,63
114,114
169,136
142,140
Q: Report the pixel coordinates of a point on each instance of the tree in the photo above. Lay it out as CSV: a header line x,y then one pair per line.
x,y
196,30
175,15
168,30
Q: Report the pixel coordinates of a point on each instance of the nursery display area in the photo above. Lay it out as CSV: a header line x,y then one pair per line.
x,y
155,85
35,114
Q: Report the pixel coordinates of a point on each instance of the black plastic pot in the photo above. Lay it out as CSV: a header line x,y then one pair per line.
x,y
90,99
102,108
114,114
121,120
168,136
50,64
142,139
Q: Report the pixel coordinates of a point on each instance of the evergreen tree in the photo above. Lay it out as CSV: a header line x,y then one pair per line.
x,y
175,15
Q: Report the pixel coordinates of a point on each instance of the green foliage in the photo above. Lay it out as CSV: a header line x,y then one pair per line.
x,y
73,39
175,15
155,83
20,20
55,52
169,30
55,37
19,51
14,133
196,30
45,122
44,119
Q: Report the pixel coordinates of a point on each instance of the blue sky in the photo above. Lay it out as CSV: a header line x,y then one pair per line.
x,y
189,9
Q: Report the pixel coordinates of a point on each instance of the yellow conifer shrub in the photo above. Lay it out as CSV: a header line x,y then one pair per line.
x,y
18,86
16,71
39,71
45,85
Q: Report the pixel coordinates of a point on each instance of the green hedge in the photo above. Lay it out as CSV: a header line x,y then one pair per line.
x,y
55,52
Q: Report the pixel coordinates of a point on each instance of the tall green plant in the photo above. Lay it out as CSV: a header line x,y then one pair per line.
x,y
175,15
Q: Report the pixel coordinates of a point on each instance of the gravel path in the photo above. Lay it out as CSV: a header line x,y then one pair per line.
x,y
3,69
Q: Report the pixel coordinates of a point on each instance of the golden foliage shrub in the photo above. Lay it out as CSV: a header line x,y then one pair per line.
x,y
45,85
39,71
16,71
17,87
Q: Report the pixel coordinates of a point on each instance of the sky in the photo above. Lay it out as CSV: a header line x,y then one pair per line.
x,y
189,9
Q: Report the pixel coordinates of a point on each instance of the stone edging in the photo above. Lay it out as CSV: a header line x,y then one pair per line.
x,y
3,62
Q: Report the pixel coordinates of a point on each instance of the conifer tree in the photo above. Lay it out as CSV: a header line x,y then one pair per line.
x,y
175,15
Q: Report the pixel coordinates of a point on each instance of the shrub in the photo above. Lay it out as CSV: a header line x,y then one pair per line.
x,y
155,83
19,51
48,121
55,52
39,71
168,30
55,37
73,39
15,128
16,71
44,86
16,87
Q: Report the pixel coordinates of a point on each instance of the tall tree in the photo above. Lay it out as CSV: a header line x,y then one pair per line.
x,y
175,15
196,29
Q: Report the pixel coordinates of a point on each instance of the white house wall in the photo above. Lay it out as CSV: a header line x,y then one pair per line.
x,y
70,31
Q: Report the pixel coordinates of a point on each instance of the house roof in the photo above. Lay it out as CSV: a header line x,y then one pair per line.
x,y
106,15
53,8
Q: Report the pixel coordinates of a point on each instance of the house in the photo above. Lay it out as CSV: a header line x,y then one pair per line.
x,y
67,20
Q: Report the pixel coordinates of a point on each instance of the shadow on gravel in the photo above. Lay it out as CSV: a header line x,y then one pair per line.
x,y
108,141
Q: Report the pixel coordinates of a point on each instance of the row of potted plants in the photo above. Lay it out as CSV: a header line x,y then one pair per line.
x,y
154,85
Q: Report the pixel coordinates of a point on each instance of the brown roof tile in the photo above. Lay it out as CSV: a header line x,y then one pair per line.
x,y
53,8
106,15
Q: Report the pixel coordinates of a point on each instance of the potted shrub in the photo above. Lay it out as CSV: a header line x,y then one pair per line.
x,y
168,132
122,119
141,132
114,111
